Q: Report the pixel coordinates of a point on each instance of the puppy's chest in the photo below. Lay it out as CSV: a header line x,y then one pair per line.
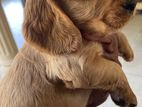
x,y
62,65
71,64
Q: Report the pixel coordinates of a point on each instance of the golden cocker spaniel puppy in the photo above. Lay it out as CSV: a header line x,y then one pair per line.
x,y
57,67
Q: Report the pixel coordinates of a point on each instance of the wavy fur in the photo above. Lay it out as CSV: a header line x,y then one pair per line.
x,y
57,67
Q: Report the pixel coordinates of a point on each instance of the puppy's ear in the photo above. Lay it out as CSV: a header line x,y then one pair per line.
x,y
47,27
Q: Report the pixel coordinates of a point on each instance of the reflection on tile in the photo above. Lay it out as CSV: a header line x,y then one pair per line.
x,y
14,13
3,71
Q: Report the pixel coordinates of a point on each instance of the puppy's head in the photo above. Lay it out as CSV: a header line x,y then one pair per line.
x,y
118,12
48,28
114,13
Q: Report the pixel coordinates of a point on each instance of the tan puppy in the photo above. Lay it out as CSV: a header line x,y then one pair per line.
x,y
46,72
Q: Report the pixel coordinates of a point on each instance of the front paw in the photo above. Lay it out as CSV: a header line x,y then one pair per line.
x,y
128,55
125,99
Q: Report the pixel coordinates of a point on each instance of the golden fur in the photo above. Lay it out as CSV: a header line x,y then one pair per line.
x,y
57,67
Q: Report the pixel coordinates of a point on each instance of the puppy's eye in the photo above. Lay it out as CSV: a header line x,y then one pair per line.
x,y
129,7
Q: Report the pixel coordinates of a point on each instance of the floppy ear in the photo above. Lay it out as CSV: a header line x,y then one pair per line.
x,y
47,27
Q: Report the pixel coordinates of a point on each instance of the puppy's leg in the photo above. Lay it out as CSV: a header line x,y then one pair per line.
x,y
124,47
100,29
95,72
107,75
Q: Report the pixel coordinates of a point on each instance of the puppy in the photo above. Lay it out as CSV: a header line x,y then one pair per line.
x,y
57,67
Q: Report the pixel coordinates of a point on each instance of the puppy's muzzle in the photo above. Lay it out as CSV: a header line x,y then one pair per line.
x,y
130,5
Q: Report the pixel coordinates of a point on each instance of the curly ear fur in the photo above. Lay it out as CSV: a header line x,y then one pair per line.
x,y
48,28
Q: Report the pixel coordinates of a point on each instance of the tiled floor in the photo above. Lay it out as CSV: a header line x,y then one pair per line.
x,y
133,30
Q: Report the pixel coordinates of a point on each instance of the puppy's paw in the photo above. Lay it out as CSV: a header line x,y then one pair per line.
x,y
128,55
125,99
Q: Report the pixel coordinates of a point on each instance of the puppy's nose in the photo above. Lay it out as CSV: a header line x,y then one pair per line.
x,y
130,5
133,105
